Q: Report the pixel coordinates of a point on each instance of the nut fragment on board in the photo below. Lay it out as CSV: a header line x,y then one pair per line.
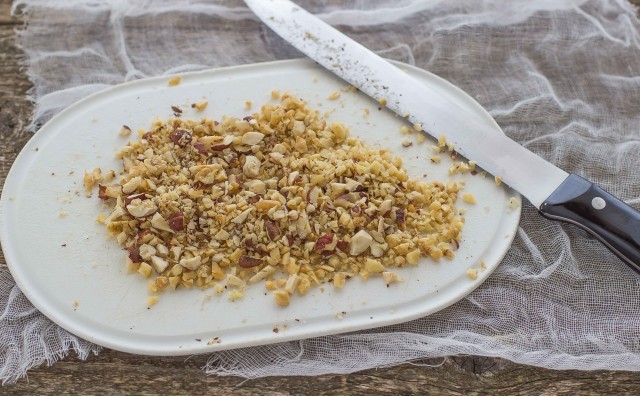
x,y
469,198
513,203
173,81
124,131
200,106
91,179
279,197
390,277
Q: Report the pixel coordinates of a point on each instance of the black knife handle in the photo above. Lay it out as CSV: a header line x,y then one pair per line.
x,y
614,223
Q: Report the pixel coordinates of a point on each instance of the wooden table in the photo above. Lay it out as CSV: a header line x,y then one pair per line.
x,y
116,372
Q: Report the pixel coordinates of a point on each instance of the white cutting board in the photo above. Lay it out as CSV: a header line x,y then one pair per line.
x,y
72,272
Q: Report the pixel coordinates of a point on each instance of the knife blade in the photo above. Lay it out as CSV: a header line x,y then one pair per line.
x,y
557,194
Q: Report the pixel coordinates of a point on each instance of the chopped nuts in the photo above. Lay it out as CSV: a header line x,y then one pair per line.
x,y
360,242
252,138
151,301
413,257
192,263
159,264
248,262
339,280
469,198
292,283
201,105
139,208
472,273
513,203
282,297
146,251
125,131
273,230
173,81
159,223
144,270
91,179
131,185
235,295
176,221
390,277
374,266
281,197
251,166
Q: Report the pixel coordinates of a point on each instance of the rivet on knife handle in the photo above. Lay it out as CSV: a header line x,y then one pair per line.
x,y
614,223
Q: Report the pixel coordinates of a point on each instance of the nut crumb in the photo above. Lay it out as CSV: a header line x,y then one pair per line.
x,y
62,214
334,95
173,81
469,198
483,266
390,277
417,127
151,301
442,142
275,94
235,295
75,304
383,102
498,180
282,297
407,143
248,104
514,202
472,273
201,105
124,131
91,179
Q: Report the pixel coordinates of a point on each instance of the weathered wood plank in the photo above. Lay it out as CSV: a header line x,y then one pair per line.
x,y
123,373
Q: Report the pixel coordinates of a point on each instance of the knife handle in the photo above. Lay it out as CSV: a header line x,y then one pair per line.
x,y
614,223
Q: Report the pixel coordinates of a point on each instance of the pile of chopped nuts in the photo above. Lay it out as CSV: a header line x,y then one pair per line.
x,y
280,197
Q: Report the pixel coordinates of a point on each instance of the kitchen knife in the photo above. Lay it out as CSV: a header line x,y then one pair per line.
x,y
557,194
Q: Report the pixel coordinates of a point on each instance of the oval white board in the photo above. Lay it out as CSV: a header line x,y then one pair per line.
x,y
74,274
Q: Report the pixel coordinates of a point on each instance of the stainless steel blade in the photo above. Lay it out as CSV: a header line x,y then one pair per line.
x,y
521,169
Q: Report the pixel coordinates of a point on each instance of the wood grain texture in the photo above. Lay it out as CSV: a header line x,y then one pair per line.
x,y
119,373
